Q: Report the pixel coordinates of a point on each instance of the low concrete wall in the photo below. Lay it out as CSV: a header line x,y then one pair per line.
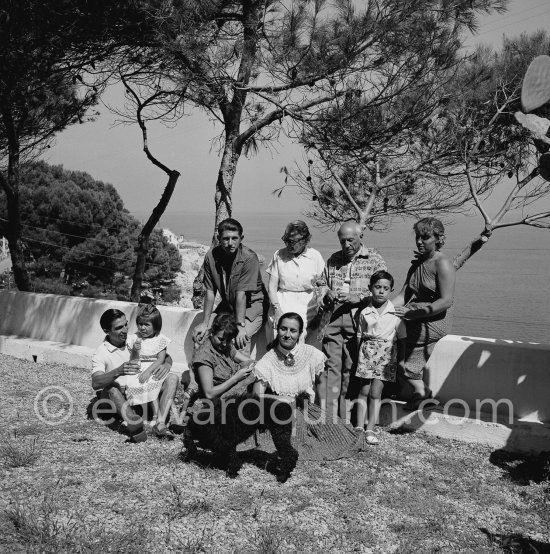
x,y
34,325
492,391
448,421
478,374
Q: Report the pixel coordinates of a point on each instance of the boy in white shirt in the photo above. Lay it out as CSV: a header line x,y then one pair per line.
x,y
381,336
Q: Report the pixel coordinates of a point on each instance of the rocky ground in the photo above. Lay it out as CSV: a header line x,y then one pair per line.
x,y
192,255
70,484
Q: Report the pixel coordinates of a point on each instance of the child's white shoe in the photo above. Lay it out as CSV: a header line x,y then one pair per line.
x,y
370,437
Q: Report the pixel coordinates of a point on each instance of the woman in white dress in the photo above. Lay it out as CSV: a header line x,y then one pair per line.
x,y
295,274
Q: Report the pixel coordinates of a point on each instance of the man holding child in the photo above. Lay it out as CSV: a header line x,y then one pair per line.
x,y
111,361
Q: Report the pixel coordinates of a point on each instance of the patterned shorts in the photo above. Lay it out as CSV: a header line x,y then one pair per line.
x,y
377,360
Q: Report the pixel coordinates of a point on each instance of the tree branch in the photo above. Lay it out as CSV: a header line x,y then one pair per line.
x,y
281,112
140,107
510,198
529,220
342,186
475,196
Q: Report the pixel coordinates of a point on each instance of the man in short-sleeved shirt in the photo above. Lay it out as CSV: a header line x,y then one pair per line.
x,y
233,270
347,276
111,360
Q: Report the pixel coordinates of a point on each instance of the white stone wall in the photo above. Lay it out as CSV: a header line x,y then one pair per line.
x,y
510,377
477,373
52,321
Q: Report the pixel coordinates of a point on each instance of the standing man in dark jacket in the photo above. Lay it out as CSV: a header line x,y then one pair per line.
x,y
233,270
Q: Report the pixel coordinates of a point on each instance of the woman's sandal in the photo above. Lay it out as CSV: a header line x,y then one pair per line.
x,y
370,437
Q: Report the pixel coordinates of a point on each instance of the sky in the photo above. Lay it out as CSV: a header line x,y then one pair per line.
x,y
113,153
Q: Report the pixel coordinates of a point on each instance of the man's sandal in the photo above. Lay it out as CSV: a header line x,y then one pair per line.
x,y
370,437
137,432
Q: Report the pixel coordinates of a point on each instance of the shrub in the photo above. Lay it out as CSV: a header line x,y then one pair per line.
x,y
49,285
171,294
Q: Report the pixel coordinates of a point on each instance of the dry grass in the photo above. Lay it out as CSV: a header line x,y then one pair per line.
x,y
83,488
19,452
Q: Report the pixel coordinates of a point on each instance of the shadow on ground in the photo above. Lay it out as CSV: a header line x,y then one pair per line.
x,y
402,431
259,458
521,468
514,543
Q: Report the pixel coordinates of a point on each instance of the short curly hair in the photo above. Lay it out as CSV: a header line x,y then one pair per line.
x,y
227,323
431,226
300,227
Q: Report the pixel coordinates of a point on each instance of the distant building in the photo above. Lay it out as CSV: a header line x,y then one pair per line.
x,y
176,240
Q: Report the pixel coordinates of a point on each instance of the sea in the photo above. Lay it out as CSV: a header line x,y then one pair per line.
x,y
502,292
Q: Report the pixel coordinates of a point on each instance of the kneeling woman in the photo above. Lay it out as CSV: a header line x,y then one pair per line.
x,y
219,368
291,368
226,417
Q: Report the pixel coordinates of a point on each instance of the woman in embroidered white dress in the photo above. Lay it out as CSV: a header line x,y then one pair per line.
x,y
290,368
294,274
149,346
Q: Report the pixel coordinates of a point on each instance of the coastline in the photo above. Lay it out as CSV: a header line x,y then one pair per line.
x,y
497,292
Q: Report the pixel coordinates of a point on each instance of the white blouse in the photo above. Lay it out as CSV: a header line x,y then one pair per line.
x,y
296,273
290,380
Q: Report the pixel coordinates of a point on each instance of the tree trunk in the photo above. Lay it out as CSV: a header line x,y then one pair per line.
x,y
224,209
231,110
460,259
13,227
20,273
142,248
224,185
198,290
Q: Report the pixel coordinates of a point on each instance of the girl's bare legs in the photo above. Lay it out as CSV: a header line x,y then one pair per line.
x,y
362,401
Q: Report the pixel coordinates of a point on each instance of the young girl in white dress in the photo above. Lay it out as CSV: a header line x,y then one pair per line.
x,y
149,346
381,336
